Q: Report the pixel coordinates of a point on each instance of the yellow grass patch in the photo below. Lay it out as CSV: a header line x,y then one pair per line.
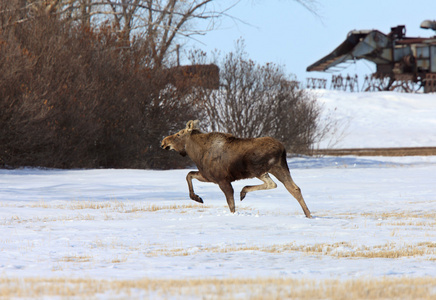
x,y
339,250
228,288
76,258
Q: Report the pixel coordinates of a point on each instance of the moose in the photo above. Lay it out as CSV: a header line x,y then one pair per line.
x,y
222,158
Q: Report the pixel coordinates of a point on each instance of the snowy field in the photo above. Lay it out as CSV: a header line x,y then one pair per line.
x,y
126,234
380,119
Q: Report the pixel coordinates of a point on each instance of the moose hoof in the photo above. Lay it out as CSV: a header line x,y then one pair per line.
x,y
196,198
243,194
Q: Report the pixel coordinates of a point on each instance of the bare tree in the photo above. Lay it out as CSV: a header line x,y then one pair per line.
x,y
159,22
260,100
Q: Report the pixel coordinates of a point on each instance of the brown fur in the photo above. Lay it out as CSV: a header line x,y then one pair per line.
x,y
222,158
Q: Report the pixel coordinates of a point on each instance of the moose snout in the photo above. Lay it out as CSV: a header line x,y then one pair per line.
x,y
165,146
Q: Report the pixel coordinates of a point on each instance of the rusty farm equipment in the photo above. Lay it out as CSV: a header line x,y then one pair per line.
x,y
403,63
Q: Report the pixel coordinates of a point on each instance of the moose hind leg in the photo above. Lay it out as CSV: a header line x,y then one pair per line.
x,y
194,175
284,176
268,184
227,189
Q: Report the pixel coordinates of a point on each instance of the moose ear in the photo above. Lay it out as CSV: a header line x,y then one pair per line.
x,y
195,124
191,125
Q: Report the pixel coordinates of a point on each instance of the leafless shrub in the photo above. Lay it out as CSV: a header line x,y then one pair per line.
x,y
261,100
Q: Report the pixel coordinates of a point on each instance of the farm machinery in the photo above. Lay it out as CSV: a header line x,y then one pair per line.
x,y
403,63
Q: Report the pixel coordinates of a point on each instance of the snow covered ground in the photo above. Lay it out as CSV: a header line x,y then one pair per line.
x,y
380,119
373,216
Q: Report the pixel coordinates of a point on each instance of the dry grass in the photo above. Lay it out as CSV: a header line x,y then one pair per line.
x,y
402,215
229,288
104,206
425,250
113,206
17,220
425,223
338,250
76,258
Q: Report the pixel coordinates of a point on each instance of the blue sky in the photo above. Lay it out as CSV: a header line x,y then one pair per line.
x,y
286,33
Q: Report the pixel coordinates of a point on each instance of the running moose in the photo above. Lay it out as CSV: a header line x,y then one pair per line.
x,y
222,158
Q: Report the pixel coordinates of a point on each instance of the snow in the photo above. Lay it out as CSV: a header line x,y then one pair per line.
x,y
373,216
380,119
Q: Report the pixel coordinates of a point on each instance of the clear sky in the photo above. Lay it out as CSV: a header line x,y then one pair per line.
x,y
286,33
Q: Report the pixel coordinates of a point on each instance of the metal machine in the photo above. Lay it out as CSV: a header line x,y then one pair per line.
x,y
400,60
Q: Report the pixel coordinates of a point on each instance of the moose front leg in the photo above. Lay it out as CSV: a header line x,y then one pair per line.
x,y
227,189
194,175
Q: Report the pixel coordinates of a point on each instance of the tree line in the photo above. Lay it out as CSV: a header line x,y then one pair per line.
x,y
89,84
